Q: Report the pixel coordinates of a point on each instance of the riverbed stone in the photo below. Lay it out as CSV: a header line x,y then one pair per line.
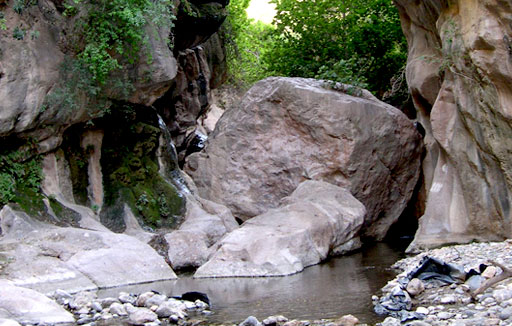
x,y
118,309
140,316
287,130
415,287
250,321
316,219
347,320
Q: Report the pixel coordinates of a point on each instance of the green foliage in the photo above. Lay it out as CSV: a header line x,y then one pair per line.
x,y
246,44
353,41
18,33
3,25
18,173
20,5
117,27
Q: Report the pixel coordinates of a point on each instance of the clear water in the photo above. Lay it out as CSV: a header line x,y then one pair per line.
x,y
335,288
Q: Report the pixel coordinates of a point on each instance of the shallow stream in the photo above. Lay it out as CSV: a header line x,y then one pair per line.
x,y
337,287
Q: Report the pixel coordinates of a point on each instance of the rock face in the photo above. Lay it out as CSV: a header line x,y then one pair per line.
x,y
317,220
287,130
205,223
29,306
459,74
74,259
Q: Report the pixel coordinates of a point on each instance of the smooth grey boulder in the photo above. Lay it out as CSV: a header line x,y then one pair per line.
x,y
288,130
312,223
48,258
205,223
29,307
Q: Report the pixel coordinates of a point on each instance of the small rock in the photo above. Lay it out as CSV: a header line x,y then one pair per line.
x,y
489,272
118,309
127,298
107,302
84,320
415,287
62,297
474,282
141,300
200,304
443,315
270,321
502,295
155,300
505,313
422,310
390,321
140,316
169,308
347,320
448,299
250,321
96,306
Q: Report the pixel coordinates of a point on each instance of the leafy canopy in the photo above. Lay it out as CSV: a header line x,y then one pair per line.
x,y
352,41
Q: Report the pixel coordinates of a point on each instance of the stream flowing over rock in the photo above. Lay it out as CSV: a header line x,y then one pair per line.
x,y
317,220
287,130
460,75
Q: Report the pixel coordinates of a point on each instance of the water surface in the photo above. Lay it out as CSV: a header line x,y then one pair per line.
x,y
335,288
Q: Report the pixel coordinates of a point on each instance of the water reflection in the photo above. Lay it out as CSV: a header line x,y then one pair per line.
x,y
340,286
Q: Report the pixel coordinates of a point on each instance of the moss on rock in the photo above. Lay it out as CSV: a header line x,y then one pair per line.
x,y
130,172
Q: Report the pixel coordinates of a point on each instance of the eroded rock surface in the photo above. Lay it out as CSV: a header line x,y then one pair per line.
x,y
287,130
29,307
459,72
47,258
317,220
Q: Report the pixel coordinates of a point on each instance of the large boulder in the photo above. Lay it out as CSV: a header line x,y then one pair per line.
x,y
46,258
205,224
30,307
287,130
459,75
317,220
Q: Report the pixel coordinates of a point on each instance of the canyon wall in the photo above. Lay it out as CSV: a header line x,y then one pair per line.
x,y
459,73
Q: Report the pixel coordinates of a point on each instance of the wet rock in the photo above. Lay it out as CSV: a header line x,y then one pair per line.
x,y
371,148
127,298
347,320
318,218
75,260
31,306
140,316
390,321
142,298
250,321
118,309
155,300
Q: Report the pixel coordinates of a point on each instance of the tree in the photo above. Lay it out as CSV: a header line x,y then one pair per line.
x,y
354,41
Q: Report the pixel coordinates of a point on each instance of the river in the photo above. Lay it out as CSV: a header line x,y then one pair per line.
x,y
339,286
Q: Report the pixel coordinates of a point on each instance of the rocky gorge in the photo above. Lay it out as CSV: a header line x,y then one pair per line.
x,y
124,188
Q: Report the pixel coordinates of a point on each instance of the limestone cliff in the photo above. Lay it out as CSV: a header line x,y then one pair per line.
x,y
459,72
101,143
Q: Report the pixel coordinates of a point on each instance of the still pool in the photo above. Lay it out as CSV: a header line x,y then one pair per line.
x,y
337,287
